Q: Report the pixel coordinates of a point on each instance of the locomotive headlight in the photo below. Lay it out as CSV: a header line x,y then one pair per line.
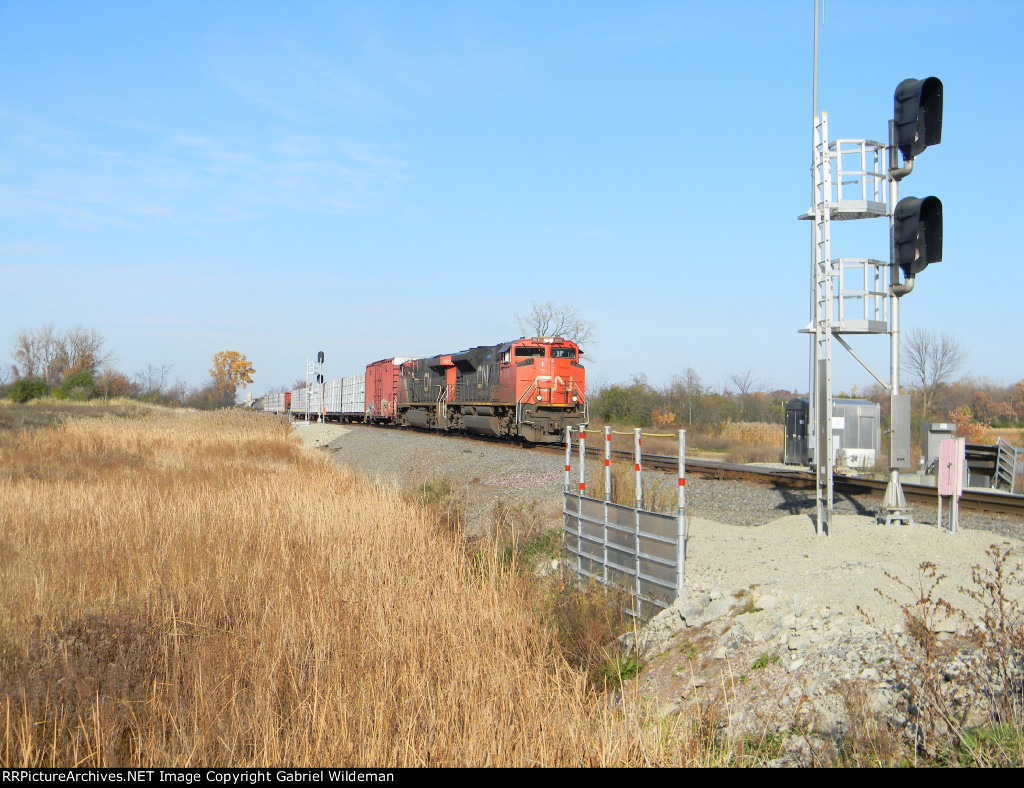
x,y
574,399
538,398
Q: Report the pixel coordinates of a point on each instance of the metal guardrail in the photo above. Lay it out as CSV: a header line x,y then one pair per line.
x,y
1009,462
620,546
639,551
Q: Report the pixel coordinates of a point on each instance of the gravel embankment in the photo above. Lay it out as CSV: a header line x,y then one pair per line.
x,y
484,475
485,469
739,533
820,607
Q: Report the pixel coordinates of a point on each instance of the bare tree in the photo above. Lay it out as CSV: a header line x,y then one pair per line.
x,y
556,320
111,383
929,362
44,353
80,348
689,385
746,385
152,379
33,351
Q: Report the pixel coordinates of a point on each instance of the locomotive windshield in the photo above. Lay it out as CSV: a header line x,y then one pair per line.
x,y
563,352
524,351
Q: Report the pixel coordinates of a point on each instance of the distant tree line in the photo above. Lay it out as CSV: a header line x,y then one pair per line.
x,y
686,401
75,364
929,362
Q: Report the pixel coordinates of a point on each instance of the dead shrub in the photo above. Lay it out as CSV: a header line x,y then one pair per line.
x,y
963,676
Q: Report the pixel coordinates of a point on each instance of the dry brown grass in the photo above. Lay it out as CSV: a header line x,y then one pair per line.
x,y
745,441
737,441
188,589
1013,435
49,411
657,494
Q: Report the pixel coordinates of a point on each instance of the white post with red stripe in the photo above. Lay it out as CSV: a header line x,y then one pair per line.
x,y
636,515
579,498
583,462
681,516
636,465
607,496
568,460
568,455
607,464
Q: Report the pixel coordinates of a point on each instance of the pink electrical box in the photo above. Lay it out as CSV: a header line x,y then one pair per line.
x,y
952,452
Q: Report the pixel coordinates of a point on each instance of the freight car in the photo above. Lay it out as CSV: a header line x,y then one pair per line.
x,y
381,383
275,403
530,389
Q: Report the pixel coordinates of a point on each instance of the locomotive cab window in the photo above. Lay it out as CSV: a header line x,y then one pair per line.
x,y
529,352
563,352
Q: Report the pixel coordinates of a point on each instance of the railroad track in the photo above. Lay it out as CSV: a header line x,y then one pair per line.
x,y
991,501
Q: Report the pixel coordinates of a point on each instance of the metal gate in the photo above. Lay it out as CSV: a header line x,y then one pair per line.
x,y
627,547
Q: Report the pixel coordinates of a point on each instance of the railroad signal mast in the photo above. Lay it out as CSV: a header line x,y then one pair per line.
x,y
915,241
858,179
315,371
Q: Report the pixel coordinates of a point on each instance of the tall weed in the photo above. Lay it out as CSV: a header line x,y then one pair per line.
x,y
196,588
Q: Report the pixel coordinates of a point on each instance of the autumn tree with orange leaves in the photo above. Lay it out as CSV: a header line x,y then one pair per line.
x,y
231,369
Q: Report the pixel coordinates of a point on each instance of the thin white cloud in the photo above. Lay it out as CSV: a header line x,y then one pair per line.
x,y
83,181
296,85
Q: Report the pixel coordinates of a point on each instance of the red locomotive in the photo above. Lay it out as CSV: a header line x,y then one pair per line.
x,y
530,389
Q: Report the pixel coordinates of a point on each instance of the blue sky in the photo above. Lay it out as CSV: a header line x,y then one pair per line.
x,y
400,178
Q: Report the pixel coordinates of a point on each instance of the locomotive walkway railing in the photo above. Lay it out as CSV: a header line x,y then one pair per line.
x,y
627,547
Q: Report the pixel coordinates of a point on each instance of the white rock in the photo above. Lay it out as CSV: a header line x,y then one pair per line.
x,y
718,607
788,621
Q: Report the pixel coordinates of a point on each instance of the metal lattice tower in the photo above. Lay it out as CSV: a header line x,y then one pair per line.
x,y
848,295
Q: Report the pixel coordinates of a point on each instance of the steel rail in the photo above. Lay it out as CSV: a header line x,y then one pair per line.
x,y
993,501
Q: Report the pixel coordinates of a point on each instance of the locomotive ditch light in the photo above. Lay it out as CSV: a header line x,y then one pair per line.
x,y
917,107
917,232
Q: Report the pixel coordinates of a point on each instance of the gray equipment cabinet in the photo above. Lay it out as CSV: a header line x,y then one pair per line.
x,y
856,427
